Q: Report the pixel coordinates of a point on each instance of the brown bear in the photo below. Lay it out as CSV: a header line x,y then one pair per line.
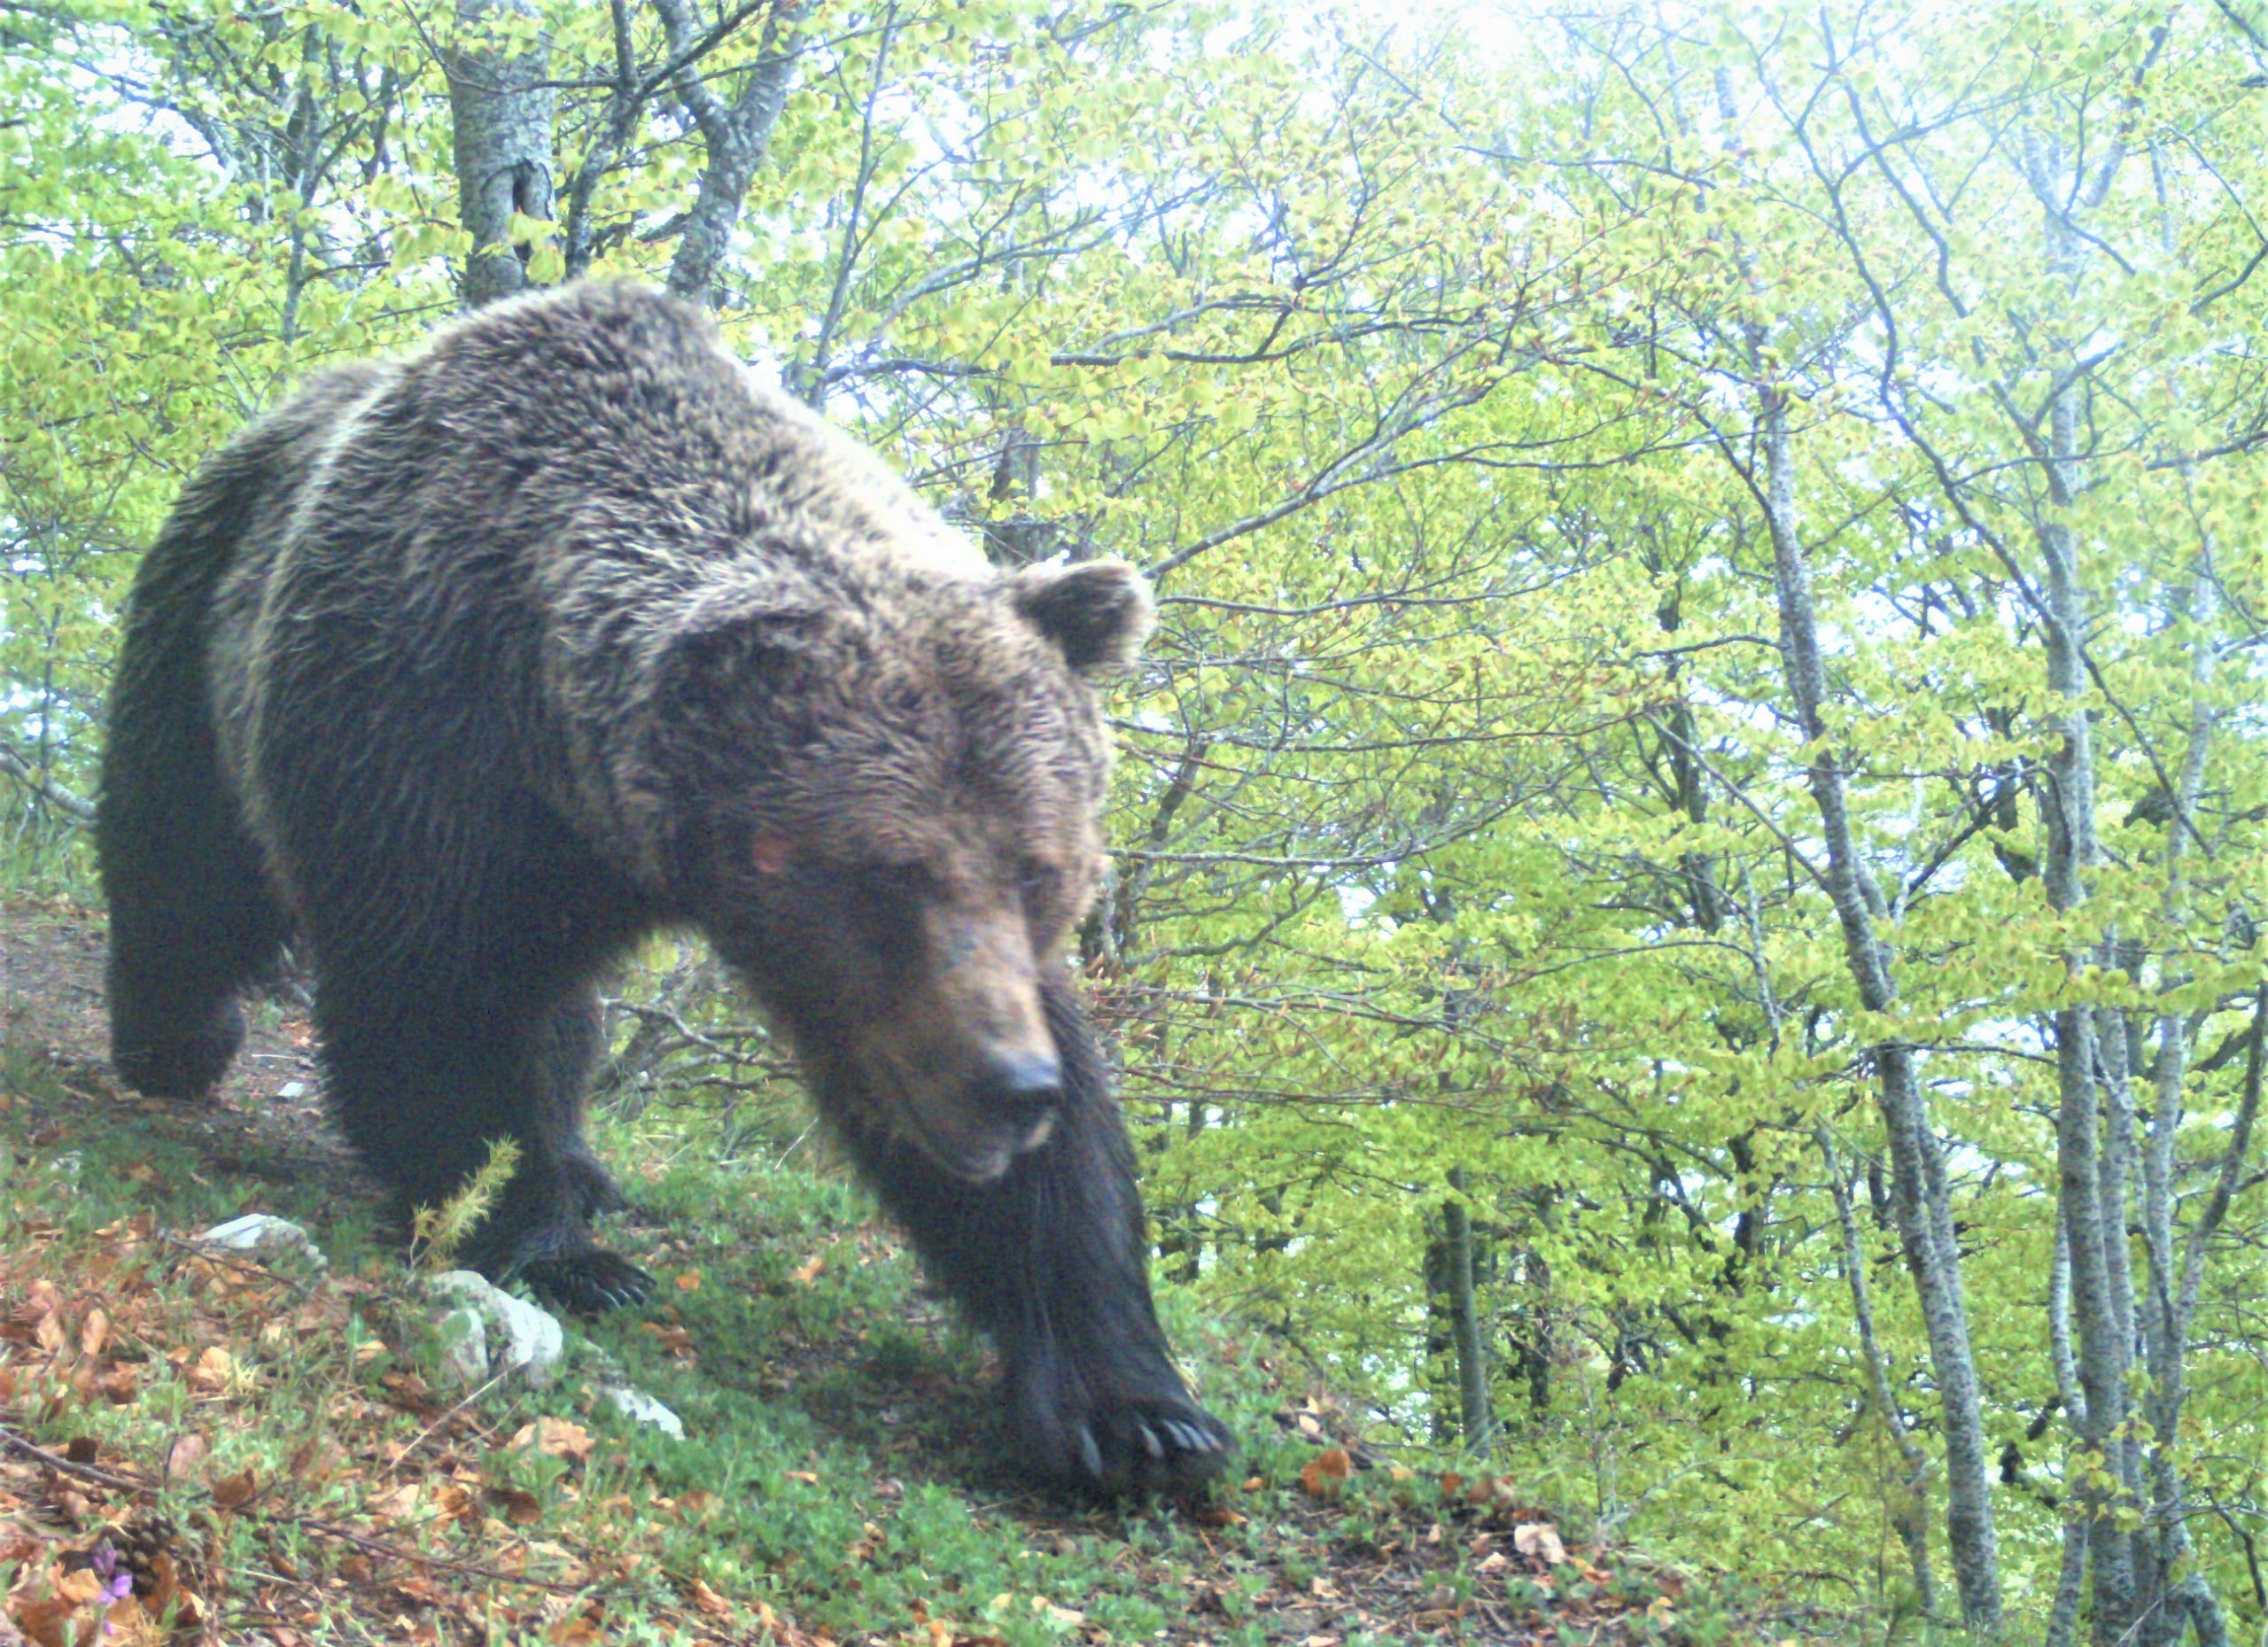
x,y
470,667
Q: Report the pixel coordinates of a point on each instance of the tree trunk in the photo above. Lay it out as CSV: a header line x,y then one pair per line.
x,y
1909,1505
1476,1417
1920,1194
734,138
2088,1173
503,125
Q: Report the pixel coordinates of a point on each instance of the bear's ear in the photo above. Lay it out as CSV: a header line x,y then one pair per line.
x,y
1097,611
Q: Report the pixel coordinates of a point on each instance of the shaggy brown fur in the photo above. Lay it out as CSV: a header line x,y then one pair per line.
x,y
475,666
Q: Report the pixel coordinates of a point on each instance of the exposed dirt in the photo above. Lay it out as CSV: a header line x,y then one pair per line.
x,y
264,1121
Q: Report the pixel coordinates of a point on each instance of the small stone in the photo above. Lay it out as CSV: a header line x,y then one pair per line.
x,y
292,1089
635,1403
517,1341
464,1346
259,1232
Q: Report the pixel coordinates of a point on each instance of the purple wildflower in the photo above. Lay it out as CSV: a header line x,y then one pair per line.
x,y
117,1583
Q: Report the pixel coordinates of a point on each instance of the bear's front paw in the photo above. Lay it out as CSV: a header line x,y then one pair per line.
x,y
587,1281
1111,1445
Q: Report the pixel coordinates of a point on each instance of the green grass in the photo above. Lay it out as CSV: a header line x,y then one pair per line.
x,y
842,1465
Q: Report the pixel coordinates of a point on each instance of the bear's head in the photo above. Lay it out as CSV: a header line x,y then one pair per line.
x,y
888,789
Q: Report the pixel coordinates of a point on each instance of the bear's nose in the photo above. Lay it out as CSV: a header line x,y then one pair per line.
x,y
1025,1088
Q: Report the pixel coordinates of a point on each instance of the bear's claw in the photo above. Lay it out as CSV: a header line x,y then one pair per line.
x,y
587,1282
1147,1446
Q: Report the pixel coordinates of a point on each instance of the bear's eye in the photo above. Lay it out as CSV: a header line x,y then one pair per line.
x,y
1035,884
897,884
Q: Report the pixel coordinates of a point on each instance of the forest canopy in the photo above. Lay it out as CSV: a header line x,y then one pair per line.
x,y
1690,856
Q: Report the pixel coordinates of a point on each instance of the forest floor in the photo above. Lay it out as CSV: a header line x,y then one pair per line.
x,y
195,1446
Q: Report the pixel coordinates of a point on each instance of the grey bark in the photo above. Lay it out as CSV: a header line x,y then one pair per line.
x,y
2070,1584
1920,1194
2164,1545
504,114
626,105
735,136
2088,1167
1476,1414
77,810
1910,1517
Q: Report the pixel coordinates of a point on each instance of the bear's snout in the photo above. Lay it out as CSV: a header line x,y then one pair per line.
x,y
1025,1090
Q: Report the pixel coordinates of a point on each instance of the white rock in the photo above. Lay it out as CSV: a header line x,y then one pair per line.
x,y
292,1089
257,1231
510,1338
635,1403
464,1346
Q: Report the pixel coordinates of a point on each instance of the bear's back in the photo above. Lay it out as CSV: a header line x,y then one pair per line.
x,y
471,547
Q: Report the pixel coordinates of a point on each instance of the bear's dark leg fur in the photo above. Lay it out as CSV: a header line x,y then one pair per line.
x,y
195,926
423,1084
571,1040
191,916
1052,1260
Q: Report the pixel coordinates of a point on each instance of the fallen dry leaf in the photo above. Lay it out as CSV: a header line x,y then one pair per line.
x,y
186,1453
1540,1538
1325,1474
559,1437
1491,1491
397,1501
212,1371
521,1507
46,1621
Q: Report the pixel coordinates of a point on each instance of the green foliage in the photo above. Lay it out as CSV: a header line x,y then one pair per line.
x,y
435,1233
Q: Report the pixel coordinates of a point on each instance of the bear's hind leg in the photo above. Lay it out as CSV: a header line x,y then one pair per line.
x,y
1053,1261
423,1085
191,919
176,966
